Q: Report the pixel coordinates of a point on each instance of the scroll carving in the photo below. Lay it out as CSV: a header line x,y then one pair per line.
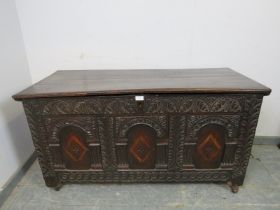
x,y
92,105
192,104
152,105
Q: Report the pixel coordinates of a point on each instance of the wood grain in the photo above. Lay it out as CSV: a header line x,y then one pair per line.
x,y
116,82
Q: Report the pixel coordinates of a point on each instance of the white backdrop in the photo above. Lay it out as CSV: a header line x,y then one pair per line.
x,y
16,145
110,34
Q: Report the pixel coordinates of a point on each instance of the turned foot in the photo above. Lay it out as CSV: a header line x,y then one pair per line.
x,y
233,186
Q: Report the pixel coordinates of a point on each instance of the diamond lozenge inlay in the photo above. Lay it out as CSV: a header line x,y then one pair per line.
x,y
74,148
140,149
210,147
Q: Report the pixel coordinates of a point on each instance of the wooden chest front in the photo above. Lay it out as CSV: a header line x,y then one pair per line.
x,y
143,126
162,138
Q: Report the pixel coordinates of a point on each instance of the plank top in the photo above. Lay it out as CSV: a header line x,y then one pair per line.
x,y
117,82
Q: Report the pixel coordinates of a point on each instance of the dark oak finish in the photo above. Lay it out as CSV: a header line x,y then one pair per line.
x,y
187,126
108,82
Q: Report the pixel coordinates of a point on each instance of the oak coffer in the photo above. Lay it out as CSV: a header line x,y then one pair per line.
x,y
177,125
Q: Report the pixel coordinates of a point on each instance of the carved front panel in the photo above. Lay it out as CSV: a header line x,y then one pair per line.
x,y
208,137
141,147
74,148
175,146
67,137
141,142
209,147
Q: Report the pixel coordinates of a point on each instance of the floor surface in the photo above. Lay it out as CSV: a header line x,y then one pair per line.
x,y
261,190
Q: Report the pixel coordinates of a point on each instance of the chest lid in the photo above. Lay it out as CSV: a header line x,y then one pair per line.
x,y
116,82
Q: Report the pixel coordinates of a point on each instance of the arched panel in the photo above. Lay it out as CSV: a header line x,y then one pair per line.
x,y
74,148
210,146
141,147
158,123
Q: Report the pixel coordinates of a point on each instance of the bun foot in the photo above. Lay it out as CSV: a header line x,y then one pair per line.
x,y
53,182
57,187
234,187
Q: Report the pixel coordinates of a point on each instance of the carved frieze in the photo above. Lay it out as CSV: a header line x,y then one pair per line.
x,y
87,105
144,176
193,104
116,105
